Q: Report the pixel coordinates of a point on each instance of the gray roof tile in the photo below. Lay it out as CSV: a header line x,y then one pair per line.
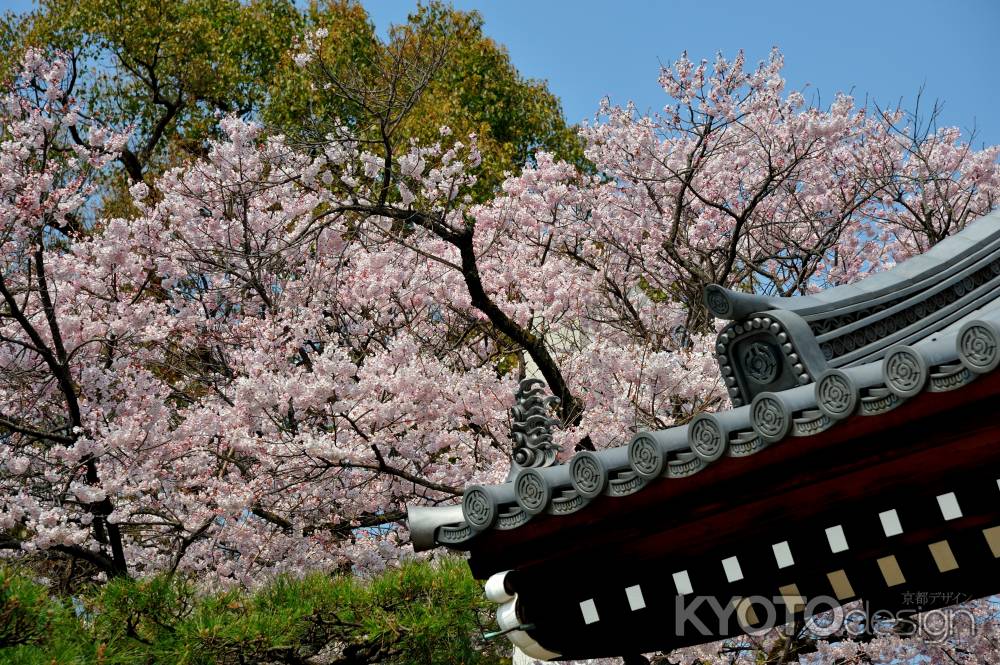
x,y
930,324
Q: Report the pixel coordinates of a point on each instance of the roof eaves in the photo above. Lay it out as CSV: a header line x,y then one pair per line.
x,y
964,343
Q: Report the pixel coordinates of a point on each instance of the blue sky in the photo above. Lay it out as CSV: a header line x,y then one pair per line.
x,y
587,49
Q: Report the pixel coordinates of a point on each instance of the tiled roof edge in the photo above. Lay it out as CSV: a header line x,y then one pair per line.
x,y
942,362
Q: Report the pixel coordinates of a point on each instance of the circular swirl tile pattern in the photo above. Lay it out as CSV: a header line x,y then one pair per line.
x,y
835,395
706,438
977,345
587,474
479,508
904,371
769,418
645,457
717,302
531,491
760,362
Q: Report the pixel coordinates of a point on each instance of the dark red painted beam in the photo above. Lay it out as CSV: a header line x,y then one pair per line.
x,y
929,436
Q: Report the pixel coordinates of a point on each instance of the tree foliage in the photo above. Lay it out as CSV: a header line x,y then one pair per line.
x,y
474,88
166,70
288,337
420,613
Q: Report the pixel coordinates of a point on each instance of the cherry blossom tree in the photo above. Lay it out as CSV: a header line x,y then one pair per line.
x,y
286,342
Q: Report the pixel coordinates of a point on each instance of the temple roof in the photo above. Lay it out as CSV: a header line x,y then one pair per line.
x,y
794,367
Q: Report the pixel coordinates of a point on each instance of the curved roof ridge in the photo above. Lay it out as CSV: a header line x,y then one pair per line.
x,y
978,239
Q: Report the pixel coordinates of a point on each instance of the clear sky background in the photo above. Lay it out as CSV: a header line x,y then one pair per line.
x,y
588,49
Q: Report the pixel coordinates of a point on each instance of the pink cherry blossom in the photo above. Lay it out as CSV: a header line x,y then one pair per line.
x,y
280,349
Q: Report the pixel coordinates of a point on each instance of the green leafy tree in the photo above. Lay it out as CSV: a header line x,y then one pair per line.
x,y
164,68
419,613
465,81
168,69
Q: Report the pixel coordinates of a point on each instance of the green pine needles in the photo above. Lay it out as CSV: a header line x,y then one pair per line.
x,y
419,613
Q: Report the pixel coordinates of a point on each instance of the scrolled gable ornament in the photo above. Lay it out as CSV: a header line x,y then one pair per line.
x,y
532,425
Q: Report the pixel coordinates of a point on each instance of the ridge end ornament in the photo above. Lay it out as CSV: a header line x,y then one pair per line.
x,y
532,426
